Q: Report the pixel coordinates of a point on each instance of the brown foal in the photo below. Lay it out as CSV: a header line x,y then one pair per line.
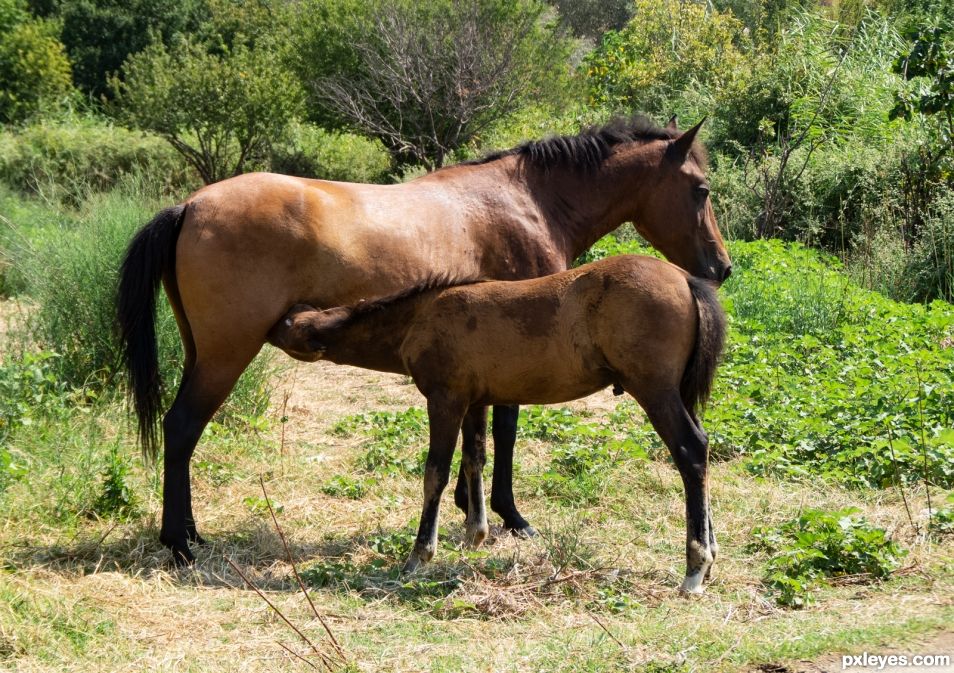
x,y
629,321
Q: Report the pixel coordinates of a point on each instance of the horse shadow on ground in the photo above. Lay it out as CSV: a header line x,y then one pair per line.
x,y
367,563
504,581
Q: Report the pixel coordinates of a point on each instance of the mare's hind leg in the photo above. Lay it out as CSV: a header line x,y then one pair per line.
x,y
444,417
689,447
501,489
474,446
200,395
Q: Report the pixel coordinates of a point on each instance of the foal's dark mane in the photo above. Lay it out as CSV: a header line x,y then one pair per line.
x,y
438,282
587,150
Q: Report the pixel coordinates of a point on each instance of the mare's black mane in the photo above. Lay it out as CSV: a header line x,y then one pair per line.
x,y
587,150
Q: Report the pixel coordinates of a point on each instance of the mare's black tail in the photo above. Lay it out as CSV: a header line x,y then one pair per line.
x,y
150,255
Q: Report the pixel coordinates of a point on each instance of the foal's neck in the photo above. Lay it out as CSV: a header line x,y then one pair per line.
x,y
371,337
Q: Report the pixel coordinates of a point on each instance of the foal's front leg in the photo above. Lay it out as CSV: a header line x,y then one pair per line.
x,y
444,416
474,447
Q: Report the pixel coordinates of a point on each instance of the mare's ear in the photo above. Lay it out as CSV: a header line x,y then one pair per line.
x,y
672,124
679,149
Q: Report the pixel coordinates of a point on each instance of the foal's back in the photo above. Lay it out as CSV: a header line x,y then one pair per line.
x,y
556,338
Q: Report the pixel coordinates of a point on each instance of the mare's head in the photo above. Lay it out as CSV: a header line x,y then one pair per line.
x,y
300,332
675,214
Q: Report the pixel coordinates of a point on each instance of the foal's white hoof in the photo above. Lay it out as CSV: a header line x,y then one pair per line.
x,y
692,584
475,535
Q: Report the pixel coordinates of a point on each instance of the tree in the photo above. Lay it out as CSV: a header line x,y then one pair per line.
x,y
34,70
426,77
218,111
100,34
927,67
670,48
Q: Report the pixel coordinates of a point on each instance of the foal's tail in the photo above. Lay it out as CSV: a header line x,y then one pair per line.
x,y
710,340
150,255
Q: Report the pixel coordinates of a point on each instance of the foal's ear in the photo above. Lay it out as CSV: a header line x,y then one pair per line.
x,y
672,124
679,149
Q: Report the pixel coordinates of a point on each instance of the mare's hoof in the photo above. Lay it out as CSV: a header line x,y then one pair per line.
x,y
412,564
195,538
525,532
475,535
181,555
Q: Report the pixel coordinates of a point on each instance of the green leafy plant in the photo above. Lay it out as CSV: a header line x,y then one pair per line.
x,y
819,545
391,438
116,497
343,486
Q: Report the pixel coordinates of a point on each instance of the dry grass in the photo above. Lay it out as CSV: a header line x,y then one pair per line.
x,y
594,592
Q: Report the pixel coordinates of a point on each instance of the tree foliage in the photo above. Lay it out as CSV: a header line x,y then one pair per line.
x,y
100,34
930,63
217,110
670,49
34,70
424,78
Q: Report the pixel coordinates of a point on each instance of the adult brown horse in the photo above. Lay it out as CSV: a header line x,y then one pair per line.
x,y
635,322
237,254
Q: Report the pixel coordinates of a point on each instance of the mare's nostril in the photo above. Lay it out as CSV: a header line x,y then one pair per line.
x,y
727,273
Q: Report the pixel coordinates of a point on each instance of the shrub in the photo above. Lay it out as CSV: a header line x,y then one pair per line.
x,y
819,545
29,391
312,152
34,70
69,158
931,263
115,498
218,111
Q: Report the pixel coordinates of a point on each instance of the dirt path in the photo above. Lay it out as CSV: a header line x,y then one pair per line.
x,y
940,644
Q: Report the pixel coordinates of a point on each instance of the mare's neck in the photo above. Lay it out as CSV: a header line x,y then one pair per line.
x,y
580,207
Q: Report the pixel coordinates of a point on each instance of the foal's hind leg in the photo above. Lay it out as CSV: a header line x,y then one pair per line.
x,y
689,447
200,395
474,432
713,545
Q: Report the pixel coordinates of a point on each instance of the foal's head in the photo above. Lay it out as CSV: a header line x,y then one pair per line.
x,y
299,333
676,215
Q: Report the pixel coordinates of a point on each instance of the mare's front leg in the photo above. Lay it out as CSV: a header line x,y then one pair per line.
x,y
689,447
444,417
474,446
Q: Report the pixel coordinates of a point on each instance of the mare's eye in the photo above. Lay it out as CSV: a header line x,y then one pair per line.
x,y
702,191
